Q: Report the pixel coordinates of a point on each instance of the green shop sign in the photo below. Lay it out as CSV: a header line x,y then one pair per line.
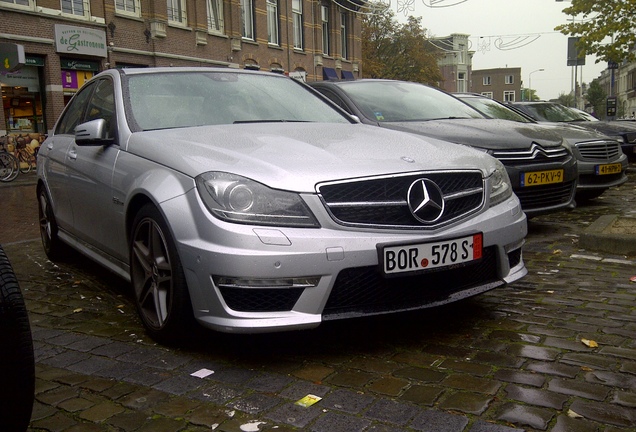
x,y
80,40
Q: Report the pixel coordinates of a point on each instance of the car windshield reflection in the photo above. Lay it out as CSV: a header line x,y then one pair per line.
x,y
185,99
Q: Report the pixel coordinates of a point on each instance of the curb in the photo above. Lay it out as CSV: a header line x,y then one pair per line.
x,y
599,236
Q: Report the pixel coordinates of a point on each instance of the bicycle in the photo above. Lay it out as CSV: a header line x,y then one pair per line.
x,y
9,165
26,159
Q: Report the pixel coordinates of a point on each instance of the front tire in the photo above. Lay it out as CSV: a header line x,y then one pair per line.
x,y
158,280
54,248
17,380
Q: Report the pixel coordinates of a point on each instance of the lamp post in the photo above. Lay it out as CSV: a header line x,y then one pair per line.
x,y
530,81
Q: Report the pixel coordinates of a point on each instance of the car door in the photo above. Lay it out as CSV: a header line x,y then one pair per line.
x,y
53,156
90,173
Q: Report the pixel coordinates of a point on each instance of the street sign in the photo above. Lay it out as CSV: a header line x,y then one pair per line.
x,y
11,56
611,106
574,57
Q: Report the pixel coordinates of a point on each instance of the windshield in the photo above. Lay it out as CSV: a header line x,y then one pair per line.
x,y
183,99
494,109
396,101
552,112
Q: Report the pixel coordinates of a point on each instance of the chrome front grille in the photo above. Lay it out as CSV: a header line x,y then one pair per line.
x,y
535,153
382,201
595,150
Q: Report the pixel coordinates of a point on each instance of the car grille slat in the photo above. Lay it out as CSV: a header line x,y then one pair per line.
x,y
599,150
545,195
364,291
534,154
382,201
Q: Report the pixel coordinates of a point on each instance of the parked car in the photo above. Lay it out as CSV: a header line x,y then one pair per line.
x,y
542,170
601,162
244,200
553,112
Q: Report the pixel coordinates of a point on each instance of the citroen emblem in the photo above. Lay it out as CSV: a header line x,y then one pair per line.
x,y
425,200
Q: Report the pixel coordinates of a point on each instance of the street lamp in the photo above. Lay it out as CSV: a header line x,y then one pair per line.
x,y
530,81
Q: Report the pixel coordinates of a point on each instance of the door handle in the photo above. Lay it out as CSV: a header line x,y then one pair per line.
x,y
72,154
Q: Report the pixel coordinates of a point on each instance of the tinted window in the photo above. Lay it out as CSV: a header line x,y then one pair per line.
x,y
74,111
391,101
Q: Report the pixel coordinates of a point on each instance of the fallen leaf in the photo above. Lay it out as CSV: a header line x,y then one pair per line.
x,y
77,310
574,414
586,369
590,343
556,251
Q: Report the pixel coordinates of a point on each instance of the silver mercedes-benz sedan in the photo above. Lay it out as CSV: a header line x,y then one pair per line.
x,y
243,201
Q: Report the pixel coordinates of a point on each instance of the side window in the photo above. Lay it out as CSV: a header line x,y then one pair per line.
x,y
74,111
102,105
334,98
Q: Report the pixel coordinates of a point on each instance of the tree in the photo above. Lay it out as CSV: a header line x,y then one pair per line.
x,y
615,19
566,99
398,51
596,97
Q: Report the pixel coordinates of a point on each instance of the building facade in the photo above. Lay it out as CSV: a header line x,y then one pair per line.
x,y
455,63
621,83
502,84
66,42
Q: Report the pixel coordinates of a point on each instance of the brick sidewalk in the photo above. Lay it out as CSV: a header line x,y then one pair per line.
x,y
509,360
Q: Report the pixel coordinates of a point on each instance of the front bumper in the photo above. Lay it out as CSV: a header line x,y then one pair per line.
x,y
331,272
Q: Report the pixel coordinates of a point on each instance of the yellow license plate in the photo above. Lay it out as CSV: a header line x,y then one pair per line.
x,y
536,178
614,168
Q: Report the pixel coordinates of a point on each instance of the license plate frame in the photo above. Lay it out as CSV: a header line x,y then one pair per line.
x,y
607,169
422,257
544,177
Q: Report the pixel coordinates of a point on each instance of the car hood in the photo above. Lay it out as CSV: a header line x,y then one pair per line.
x,y
296,156
607,128
492,134
574,132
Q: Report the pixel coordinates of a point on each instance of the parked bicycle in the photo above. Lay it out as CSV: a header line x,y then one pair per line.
x,y
9,164
27,158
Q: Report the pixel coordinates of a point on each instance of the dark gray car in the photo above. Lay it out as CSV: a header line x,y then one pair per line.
x,y
541,168
601,162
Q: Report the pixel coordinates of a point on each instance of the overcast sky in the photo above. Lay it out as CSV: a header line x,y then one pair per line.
x,y
508,33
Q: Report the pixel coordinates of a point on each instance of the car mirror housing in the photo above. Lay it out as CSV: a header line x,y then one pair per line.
x,y
93,133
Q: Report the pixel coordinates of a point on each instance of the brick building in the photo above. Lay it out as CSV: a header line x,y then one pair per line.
x,y
502,84
66,42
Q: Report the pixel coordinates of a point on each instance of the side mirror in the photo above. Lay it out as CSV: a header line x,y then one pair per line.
x,y
93,133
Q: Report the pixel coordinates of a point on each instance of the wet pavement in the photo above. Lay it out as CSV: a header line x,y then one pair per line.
x,y
519,358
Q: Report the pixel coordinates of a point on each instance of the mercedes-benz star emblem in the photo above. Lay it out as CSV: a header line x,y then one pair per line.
x,y
425,200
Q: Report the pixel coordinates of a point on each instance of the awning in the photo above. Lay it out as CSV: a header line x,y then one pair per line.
x,y
329,74
347,74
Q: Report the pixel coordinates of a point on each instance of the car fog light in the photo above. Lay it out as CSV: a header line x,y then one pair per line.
x,y
230,282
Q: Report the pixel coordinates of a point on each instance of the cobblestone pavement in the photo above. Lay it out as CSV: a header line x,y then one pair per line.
x,y
513,359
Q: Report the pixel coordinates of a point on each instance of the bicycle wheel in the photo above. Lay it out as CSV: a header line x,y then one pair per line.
x,y
8,167
25,161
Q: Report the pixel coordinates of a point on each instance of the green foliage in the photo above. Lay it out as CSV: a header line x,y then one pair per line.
x,y
606,28
398,51
596,97
566,99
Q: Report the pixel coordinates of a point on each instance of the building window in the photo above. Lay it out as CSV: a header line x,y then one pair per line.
x,y
487,94
272,22
510,79
247,15
297,16
509,96
324,12
215,16
128,7
22,4
75,8
344,35
177,12
487,80
461,81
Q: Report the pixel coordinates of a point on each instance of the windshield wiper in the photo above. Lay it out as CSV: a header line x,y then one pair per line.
x,y
269,121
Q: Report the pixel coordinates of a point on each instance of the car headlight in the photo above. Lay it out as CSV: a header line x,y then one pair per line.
x,y
500,187
237,199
